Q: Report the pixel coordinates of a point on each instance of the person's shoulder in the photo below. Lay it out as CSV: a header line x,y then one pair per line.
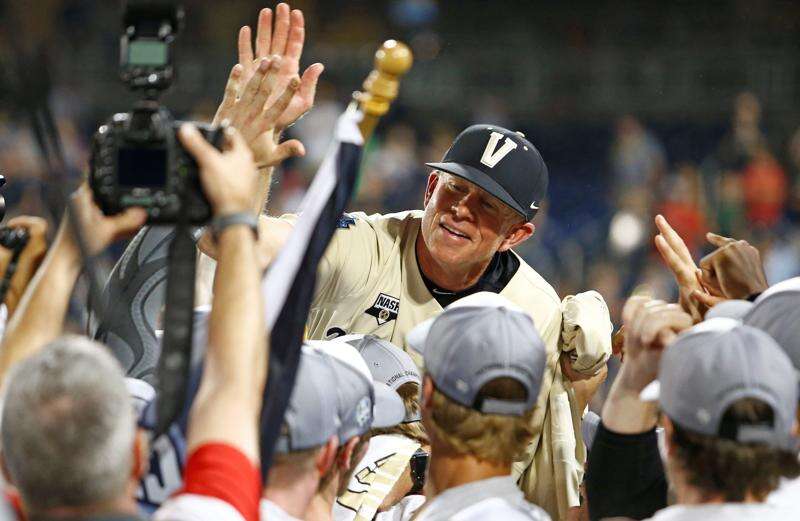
x,y
526,279
391,224
499,508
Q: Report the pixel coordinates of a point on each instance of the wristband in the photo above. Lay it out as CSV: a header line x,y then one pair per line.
x,y
221,222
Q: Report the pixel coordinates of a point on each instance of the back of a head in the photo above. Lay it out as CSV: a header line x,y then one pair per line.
x,y
730,393
68,426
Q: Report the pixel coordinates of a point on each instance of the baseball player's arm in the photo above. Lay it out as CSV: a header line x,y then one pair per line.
x,y
40,315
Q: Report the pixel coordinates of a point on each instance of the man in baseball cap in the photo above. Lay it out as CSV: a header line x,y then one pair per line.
x,y
389,471
484,362
728,395
384,274
361,404
307,447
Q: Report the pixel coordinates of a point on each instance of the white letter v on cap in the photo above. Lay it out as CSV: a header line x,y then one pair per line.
x,y
491,156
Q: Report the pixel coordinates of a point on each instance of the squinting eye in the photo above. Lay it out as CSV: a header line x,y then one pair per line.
x,y
488,205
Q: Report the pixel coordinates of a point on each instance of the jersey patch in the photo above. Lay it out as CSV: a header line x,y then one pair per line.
x,y
384,309
345,221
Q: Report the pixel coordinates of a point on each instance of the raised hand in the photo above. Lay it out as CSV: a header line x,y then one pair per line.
x,y
694,298
733,270
256,110
650,326
101,230
284,42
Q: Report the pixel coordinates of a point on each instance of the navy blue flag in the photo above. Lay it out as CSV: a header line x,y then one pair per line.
x,y
288,285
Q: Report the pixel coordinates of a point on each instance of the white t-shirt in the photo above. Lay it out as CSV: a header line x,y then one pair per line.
x,y
787,495
725,512
271,512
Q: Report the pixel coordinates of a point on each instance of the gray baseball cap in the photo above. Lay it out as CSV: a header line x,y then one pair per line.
x,y
362,403
776,312
387,363
475,340
311,417
716,363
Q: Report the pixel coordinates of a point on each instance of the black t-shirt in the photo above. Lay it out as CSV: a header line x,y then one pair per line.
x,y
625,476
500,270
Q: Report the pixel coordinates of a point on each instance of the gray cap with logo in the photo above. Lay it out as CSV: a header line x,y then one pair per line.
x,y
716,363
478,339
311,417
776,312
387,363
362,403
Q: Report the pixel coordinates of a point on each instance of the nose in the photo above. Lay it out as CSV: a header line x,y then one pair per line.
x,y
462,208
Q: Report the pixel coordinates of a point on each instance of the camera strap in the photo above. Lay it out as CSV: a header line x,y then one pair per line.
x,y
174,364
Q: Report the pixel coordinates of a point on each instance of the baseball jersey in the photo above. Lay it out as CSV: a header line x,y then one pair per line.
x,y
369,282
724,512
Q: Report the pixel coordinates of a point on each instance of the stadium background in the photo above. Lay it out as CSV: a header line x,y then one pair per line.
x,y
691,109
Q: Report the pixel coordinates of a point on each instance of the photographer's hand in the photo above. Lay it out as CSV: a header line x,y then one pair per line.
x,y
229,177
40,315
29,260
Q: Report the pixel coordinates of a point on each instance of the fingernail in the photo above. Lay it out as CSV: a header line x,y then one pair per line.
x,y
237,69
294,83
225,123
263,65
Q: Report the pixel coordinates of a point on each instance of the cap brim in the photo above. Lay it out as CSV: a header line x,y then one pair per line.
x,y
735,309
389,409
415,339
484,181
652,392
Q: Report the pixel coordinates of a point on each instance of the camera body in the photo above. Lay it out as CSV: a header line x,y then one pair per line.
x,y
136,157
137,160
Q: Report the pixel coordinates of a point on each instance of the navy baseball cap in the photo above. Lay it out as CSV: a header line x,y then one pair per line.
x,y
502,162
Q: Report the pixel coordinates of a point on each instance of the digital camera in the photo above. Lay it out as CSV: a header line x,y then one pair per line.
x,y
136,157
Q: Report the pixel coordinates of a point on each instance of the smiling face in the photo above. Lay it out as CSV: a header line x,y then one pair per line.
x,y
464,225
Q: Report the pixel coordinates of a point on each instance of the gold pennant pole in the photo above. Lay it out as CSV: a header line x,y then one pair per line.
x,y
392,61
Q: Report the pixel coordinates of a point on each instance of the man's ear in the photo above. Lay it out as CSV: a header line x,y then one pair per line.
x,y
433,180
516,235
346,454
427,393
326,457
141,455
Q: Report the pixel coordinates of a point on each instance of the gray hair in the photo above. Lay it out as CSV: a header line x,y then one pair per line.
x,y
68,426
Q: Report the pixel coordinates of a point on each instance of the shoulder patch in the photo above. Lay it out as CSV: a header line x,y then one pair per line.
x,y
345,221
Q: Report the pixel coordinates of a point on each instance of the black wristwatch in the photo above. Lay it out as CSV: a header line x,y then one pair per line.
x,y
419,469
247,218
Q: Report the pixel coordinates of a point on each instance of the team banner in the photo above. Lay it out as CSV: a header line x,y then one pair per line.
x,y
288,286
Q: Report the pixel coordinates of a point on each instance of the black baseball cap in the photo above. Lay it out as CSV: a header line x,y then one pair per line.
x,y
500,161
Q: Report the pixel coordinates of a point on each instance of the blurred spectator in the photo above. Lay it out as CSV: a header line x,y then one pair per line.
x,y
741,143
637,157
765,187
684,206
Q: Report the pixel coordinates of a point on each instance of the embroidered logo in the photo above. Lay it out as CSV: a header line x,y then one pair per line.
x,y
345,221
384,309
491,154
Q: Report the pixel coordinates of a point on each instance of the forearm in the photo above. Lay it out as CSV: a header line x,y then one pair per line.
x,y
625,476
39,317
624,412
264,185
229,398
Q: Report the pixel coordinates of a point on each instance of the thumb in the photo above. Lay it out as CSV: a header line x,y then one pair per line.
x,y
128,221
287,149
704,299
718,240
194,142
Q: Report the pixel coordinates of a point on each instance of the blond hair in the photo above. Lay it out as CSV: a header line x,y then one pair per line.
x,y
409,392
492,437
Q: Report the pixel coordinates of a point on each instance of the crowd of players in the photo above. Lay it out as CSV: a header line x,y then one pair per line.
x,y
474,409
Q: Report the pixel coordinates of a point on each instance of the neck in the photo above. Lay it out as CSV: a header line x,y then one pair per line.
x,y
449,470
686,494
452,278
293,496
124,505
321,506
